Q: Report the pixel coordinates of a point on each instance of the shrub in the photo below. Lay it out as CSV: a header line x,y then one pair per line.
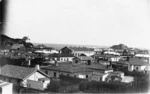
x,y
64,83
53,86
83,86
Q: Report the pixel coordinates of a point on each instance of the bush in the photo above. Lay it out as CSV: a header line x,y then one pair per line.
x,y
64,83
83,86
53,86
70,79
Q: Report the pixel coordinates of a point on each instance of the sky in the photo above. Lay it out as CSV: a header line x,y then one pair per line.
x,y
85,22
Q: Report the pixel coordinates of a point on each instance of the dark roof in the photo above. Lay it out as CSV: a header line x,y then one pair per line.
x,y
106,55
61,55
67,68
81,49
16,71
95,66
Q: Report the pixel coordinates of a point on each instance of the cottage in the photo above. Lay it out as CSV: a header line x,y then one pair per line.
x,y
108,57
6,87
17,47
137,64
26,77
44,49
97,67
77,51
83,59
68,70
62,57
100,72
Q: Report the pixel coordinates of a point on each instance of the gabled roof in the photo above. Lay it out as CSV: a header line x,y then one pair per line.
x,y
16,71
81,49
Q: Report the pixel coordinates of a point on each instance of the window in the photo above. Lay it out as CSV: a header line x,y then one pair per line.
x,y
100,78
46,72
9,80
54,74
86,76
28,85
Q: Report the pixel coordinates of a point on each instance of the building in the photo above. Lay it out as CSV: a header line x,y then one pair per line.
x,y
106,57
83,59
6,87
43,49
137,64
77,51
17,47
62,57
26,77
67,69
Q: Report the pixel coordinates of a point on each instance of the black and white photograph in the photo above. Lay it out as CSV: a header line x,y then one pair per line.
x,y
74,46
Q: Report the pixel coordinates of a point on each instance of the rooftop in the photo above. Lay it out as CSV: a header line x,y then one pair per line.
x,y
95,66
16,71
67,67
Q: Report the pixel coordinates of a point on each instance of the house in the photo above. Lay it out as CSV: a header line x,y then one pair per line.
x,y
83,71
146,57
67,69
96,67
137,64
106,57
62,57
44,49
17,47
99,76
100,72
26,77
6,87
77,51
83,59
111,53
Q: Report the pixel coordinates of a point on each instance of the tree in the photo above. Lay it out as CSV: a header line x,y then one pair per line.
x,y
53,86
25,38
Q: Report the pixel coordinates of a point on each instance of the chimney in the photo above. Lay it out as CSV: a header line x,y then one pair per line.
x,y
37,67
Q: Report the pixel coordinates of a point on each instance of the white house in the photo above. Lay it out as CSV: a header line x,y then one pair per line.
x,y
137,64
6,87
77,51
62,57
26,77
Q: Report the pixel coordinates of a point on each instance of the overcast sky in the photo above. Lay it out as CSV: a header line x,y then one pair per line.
x,y
86,22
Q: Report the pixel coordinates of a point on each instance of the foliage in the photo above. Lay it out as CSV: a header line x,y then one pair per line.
x,y
53,86
72,80
64,83
83,86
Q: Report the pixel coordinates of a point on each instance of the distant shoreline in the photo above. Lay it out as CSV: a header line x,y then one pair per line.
x,y
59,46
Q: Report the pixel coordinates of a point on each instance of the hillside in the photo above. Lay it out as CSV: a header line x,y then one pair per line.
x,y
119,47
